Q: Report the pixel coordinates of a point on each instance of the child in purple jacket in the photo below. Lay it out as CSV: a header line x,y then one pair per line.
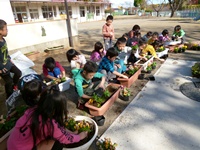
x,y
98,53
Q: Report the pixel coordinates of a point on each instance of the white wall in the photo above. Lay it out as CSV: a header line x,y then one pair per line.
x,y
28,34
6,11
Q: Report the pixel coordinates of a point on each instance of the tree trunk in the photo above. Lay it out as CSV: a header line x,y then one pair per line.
x,y
172,13
157,13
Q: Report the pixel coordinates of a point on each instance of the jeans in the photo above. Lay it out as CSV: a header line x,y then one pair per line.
x,y
9,81
56,72
108,43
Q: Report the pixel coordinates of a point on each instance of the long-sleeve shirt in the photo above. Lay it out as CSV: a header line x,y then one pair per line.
x,y
45,70
163,38
106,30
181,33
79,62
106,64
21,137
96,57
80,82
4,57
149,48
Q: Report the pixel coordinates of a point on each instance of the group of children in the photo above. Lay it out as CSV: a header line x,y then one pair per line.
x,y
42,125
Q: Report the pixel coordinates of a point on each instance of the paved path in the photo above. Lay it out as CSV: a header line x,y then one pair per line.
x,y
160,117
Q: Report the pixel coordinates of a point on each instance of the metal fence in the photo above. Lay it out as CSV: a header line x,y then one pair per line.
x,y
195,14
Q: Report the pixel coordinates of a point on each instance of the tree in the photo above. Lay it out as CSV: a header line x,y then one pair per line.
x,y
175,5
137,3
158,7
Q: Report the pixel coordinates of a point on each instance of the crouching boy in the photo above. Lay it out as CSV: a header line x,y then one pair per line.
x,y
84,82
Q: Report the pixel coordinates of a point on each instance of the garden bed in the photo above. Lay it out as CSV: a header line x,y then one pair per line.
x,y
114,89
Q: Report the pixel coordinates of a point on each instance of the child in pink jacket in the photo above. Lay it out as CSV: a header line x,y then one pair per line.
x,y
42,122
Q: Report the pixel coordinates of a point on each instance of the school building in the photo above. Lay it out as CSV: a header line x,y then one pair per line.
x,y
35,25
40,10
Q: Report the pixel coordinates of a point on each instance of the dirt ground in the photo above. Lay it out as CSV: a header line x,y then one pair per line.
x,y
90,32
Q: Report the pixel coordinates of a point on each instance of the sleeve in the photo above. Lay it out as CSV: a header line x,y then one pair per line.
x,y
98,75
83,60
63,136
104,31
60,66
109,67
182,33
45,71
113,31
79,88
73,64
152,51
95,57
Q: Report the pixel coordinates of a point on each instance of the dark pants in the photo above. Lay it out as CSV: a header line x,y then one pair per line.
x,y
9,81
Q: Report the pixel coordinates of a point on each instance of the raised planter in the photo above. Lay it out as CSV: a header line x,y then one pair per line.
x,y
62,86
173,42
165,52
34,55
95,111
147,63
128,82
86,145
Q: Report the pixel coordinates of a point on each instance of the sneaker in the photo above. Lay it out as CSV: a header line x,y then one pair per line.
x,y
15,88
80,106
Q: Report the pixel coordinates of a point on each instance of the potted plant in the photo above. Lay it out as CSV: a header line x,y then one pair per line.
x,y
132,73
98,110
184,48
134,46
160,49
98,100
79,124
62,83
153,65
196,70
149,68
7,123
106,144
125,94
176,50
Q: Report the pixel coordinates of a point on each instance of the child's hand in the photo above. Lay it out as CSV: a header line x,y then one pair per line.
x,y
4,70
123,76
111,33
118,65
83,135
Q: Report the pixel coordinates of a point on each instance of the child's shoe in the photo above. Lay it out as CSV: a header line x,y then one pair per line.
x,y
15,88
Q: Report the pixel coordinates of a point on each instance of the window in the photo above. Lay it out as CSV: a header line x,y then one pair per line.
x,y
82,11
97,11
21,14
34,13
47,12
63,11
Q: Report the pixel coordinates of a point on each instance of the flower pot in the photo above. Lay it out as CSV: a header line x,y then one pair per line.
x,y
141,76
99,120
161,54
128,82
86,145
146,64
125,98
95,111
153,67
